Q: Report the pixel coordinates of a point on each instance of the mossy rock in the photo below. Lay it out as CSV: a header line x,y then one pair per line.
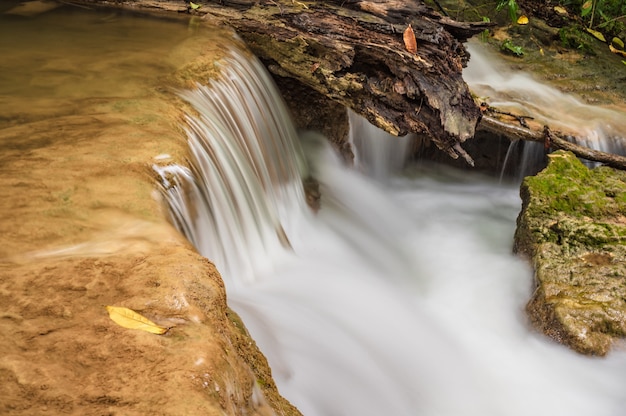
x,y
572,227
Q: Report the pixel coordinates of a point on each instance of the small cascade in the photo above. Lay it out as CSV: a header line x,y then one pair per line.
x,y
509,90
242,193
403,297
377,153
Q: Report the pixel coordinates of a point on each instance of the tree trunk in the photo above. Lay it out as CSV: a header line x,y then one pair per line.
x,y
354,53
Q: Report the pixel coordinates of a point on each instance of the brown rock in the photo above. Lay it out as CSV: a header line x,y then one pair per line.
x,y
572,229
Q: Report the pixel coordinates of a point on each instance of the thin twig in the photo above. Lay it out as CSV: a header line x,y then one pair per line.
x,y
520,119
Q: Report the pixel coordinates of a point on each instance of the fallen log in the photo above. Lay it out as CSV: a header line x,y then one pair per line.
x,y
354,52
552,140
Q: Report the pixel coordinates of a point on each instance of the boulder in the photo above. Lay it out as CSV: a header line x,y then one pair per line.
x,y
572,227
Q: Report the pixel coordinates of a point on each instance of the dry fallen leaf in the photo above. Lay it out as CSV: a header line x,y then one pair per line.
x,y
410,43
597,34
560,10
617,51
130,319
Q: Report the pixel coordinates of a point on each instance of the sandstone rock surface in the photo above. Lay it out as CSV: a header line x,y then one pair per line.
x,y
80,229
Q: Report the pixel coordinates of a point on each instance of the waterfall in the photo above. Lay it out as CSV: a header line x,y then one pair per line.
x,y
243,191
399,297
511,90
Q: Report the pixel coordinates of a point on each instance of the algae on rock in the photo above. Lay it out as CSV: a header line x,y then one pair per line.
x,y
573,229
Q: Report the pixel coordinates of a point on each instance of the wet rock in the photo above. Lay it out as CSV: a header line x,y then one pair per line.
x,y
62,354
82,227
572,227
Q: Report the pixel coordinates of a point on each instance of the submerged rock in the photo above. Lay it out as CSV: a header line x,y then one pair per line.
x,y
573,229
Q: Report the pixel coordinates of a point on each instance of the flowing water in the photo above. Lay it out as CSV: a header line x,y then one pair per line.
x,y
399,297
596,127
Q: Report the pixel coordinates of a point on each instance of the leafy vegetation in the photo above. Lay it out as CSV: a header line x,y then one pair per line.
x,y
509,47
581,24
511,6
575,38
602,19
607,16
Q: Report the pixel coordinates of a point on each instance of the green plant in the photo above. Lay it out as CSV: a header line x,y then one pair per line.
x,y
509,47
484,35
589,7
607,15
574,37
511,6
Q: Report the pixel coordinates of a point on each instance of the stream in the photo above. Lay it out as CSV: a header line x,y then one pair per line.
x,y
399,297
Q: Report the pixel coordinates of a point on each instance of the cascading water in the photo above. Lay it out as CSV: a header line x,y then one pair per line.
x,y
402,299
244,188
509,90
377,152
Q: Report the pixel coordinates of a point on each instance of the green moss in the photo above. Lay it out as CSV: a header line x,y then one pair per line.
x,y
569,187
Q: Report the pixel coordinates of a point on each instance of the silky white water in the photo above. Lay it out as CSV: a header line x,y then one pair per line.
x,y
399,297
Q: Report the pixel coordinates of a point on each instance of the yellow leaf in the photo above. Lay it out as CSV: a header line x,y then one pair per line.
x,y
587,4
618,43
522,20
597,34
617,51
560,10
410,43
130,319
194,5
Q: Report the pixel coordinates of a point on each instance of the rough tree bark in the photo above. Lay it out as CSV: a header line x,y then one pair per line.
x,y
353,52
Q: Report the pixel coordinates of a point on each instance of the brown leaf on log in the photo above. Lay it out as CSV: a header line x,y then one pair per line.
x,y
365,66
410,43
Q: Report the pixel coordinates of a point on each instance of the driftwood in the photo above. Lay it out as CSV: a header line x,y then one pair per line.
x,y
551,140
354,52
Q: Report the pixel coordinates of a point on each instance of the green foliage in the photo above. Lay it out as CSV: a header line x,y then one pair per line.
x,y
614,8
511,6
484,35
607,15
509,47
586,8
575,38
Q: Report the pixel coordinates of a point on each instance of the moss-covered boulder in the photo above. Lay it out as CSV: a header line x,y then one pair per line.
x,y
572,227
